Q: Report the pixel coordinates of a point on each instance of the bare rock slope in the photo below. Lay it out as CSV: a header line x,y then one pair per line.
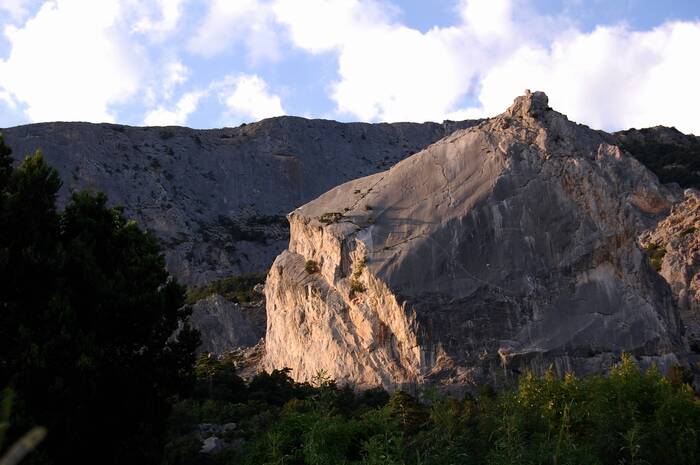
x,y
674,245
507,246
217,198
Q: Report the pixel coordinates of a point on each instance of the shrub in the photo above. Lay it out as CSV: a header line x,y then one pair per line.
x,y
330,217
312,267
357,286
656,253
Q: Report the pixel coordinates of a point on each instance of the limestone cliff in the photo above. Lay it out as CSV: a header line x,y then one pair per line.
x,y
507,246
217,198
674,248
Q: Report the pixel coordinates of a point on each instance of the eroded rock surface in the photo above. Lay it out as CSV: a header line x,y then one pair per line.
x,y
674,247
225,326
217,199
507,246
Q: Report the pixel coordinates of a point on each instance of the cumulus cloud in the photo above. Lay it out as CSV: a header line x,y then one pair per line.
x,y
228,22
244,97
177,116
611,78
160,17
388,71
81,59
17,9
248,95
71,62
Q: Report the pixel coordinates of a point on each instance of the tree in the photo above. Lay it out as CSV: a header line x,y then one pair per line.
x,y
87,317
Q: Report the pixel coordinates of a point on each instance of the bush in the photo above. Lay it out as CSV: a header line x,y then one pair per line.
x,y
656,255
330,217
312,267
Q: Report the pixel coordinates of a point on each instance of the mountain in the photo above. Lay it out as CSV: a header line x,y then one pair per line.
x,y
217,199
504,247
670,154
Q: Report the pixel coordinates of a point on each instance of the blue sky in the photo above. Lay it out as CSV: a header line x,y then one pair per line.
x,y
611,64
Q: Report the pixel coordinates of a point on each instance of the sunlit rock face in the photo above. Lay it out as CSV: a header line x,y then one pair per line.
x,y
505,247
674,245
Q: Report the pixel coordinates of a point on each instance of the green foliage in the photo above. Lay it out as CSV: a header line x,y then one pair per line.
x,y
656,255
628,417
355,284
330,217
671,162
87,314
237,288
311,267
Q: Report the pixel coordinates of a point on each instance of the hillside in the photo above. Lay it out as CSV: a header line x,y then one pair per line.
x,y
217,199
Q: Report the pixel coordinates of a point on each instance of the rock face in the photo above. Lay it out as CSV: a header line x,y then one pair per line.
x,y
226,325
675,249
507,246
217,198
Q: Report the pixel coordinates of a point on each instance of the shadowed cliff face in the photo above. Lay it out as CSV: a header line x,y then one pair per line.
x,y
217,198
508,246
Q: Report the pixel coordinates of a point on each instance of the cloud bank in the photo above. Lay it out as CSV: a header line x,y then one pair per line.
x,y
81,59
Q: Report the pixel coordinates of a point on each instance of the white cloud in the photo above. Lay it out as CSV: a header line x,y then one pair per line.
x,y
333,24
17,9
7,99
611,78
248,95
391,72
176,74
244,96
160,17
228,22
71,62
178,116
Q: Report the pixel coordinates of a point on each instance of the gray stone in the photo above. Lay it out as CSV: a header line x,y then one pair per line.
x,y
505,247
217,198
676,240
226,325
212,445
228,427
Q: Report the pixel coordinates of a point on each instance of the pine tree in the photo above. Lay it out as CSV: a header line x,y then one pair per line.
x,y
87,314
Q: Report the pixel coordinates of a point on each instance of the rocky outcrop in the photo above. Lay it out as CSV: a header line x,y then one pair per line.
x,y
217,198
508,246
674,249
225,325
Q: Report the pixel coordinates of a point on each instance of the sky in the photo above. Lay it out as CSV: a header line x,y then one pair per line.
x,y
611,64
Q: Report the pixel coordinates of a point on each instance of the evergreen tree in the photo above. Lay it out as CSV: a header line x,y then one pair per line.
x,y
87,314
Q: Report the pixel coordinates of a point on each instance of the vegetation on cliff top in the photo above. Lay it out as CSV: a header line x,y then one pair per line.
x,y
236,288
